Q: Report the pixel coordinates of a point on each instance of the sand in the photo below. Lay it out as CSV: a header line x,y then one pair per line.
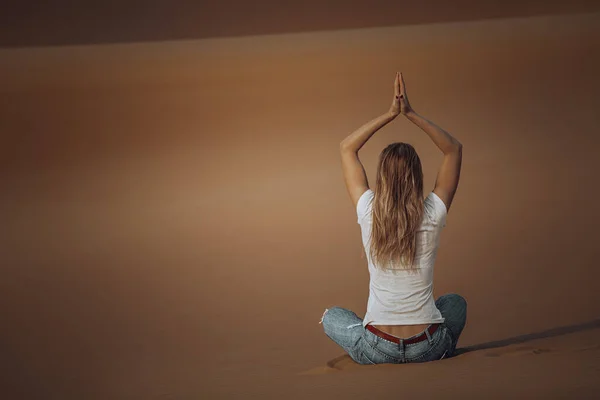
x,y
175,219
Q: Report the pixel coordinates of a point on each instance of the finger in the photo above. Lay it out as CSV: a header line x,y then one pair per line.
x,y
397,85
402,84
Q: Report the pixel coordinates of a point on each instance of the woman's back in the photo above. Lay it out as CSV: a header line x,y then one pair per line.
x,y
403,296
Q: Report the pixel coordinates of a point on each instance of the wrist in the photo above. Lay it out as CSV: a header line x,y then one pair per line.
x,y
410,114
392,114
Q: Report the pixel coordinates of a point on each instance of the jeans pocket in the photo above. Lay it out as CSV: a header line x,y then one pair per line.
x,y
440,349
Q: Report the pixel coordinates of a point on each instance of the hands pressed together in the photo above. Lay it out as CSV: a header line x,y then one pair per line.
x,y
400,104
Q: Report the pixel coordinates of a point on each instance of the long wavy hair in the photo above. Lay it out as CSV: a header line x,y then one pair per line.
x,y
397,207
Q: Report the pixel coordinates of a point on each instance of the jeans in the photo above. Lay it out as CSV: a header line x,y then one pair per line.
x,y
345,328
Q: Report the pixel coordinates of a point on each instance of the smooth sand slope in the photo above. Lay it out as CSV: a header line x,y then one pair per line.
x,y
175,220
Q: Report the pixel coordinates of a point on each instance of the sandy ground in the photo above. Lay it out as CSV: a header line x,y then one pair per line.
x,y
175,219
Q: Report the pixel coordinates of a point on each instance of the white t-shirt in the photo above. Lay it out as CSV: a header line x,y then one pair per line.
x,y
400,297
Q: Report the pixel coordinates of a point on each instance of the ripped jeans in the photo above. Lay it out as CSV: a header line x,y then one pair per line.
x,y
345,328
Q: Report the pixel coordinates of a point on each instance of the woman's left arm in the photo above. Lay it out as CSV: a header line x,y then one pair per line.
x,y
355,176
359,137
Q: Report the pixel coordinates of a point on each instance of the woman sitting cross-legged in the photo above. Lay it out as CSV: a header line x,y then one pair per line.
x,y
400,235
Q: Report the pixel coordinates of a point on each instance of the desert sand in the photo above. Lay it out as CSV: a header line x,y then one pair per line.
x,y
175,219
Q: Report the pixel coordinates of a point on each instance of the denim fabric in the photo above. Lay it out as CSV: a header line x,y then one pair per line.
x,y
345,328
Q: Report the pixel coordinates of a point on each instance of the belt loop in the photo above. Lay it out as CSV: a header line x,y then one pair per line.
x,y
429,339
402,348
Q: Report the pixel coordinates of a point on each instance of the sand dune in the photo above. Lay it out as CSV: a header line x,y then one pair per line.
x,y
175,220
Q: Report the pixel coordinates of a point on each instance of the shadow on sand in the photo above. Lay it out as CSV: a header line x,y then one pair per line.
x,y
563,330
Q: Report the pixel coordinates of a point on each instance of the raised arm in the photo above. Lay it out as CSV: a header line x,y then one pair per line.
x,y
448,175
354,172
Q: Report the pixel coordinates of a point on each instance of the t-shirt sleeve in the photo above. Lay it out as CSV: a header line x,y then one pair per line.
x,y
364,204
439,208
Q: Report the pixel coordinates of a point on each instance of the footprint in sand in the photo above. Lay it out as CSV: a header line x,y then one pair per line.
x,y
588,348
517,351
341,363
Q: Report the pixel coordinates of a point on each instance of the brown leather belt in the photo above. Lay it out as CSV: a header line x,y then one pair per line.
x,y
415,339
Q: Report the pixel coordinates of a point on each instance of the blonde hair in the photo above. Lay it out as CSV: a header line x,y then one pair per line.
x,y
397,207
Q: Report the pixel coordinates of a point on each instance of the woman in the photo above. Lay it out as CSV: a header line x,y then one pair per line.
x,y
400,235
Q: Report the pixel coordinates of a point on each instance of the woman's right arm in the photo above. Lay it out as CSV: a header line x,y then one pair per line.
x,y
448,175
446,182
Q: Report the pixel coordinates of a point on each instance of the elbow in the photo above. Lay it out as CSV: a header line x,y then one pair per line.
x,y
456,147
344,146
